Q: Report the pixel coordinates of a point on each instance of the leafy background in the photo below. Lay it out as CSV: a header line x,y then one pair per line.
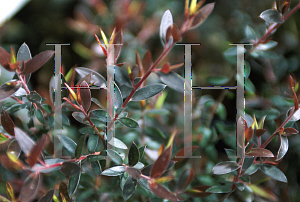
x,y
75,22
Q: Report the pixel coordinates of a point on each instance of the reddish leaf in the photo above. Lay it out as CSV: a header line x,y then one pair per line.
x,y
166,68
85,94
271,161
176,33
36,150
202,14
7,123
260,132
36,62
290,131
24,141
198,191
161,163
5,59
63,190
139,63
248,135
9,88
161,149
117,48
184,180
135,173
147,61
30,187
48,196
161,191
181,153
260,152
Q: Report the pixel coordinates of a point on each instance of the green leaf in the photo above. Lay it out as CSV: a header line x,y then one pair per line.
x,y
92,143
121,76
114,156
73,183
39,115
129,122
247,163
225,167
217,80
79,146
144,183
97,79
23,53
87,130
34,97
172,80
266,46
117,143
125,90
267,54
148,92
273,172
101,115
129,188
133,155
70,168
9,88
80,117
271,16
95,157
165,23
157,112
97,103
219,189
252,169
24,141
36,62
116,95
250,33
284,146
155,132
3,138
141,152
68,143
96,167
114,171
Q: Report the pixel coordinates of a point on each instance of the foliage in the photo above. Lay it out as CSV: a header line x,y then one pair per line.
x,y
144,161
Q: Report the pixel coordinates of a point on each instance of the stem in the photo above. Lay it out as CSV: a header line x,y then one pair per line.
x,y
281,126
236,179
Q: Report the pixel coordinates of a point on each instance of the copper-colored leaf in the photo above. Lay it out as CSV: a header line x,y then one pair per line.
x,y
85,94
36,150
166,68
260,152
176,33
202,14
161,191
48,196
260,132
7,123
9,88
271,161
198,191
139,63
248,135
36,62
63,190
117,48
4,59
184,180
135,173
161,163
181,153
9,164
161,149
30,187
147,60
290,131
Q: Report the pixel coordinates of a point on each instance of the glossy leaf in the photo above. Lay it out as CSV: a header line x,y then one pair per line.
x,y
101,115
39,115
36,151
97,78
160,165
172,80
271,16
260,152
24,141
30,187
34,97
4,59
95,157
9,88
147,92
266,46
161,191
117,143
147,61
133,155
184,180
202,14
7,122
248,135
96,167
92,143
250,33
47,197
79,146
73,183
219,189
114,156
68,143
165,23
23,53
133,172
284,146
36,62
129,188
70,168
225,167
260,132
290,131
114,171
273,172
129,122
199,191
85,94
